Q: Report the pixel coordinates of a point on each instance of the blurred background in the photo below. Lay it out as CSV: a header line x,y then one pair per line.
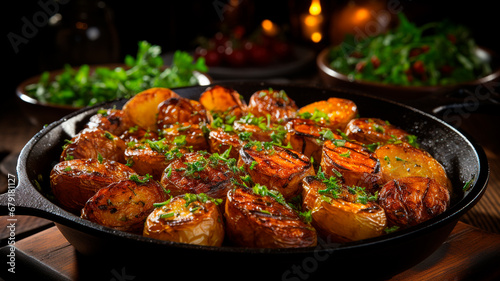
x,y
95,31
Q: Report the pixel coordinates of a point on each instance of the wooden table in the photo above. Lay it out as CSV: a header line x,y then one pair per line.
x,y
470,253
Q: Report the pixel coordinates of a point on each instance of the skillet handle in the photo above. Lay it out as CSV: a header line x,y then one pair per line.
x,y
24,199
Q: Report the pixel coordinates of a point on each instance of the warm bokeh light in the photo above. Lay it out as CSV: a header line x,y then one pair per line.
x,y
315,8
316,37
311,20
269,27
361,15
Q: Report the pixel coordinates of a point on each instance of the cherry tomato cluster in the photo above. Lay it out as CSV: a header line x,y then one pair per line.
x,y
234,50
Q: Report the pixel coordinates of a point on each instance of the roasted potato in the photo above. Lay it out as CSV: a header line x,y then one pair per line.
x,y
355,165
221,102
200,172
334,113
186,134
94,143
276,167
137,134
189,218
180,110
307,137
124,205
142,109
274,103
403,160
259,221
220,141
73,182
114,121
152,157
340,215
411,200
373,130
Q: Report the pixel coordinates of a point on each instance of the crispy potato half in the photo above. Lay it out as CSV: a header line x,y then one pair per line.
x,y
124,205
186,134
355,164
180,110
403,160
334,112
340,215
259,220
411,200
306,137
200,172
142,108
73,182
152,157
222,101
274,103
114,121
94,143
373,130
190,218
276,167
220,141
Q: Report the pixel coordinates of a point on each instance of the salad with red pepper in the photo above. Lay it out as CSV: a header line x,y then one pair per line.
x,y
437,53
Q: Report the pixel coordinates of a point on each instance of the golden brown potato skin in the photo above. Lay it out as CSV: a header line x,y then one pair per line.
x,y
145,160
220,141
195,136
273,102
124,205
261,222
222,101
411,200
277,168
341,219
372,130
73,182
192,223
213,179
403,160
180,110
358,166
114,121
137,134
304,135
339,112
142,108
92,142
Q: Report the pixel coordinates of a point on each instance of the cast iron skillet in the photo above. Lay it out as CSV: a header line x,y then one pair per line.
x,y
103,251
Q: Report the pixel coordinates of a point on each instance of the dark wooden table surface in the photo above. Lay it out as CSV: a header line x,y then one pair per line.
x,y
470,253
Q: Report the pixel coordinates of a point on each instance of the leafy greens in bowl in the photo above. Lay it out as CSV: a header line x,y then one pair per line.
x,y
87,85
434,54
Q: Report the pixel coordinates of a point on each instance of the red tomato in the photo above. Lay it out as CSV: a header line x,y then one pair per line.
x,y
418,67
375,61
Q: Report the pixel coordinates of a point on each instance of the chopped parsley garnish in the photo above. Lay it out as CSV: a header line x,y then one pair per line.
x,y
347,154
140,179
201,197
167,215
317,116
262,190
180,140
391,229
469,183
